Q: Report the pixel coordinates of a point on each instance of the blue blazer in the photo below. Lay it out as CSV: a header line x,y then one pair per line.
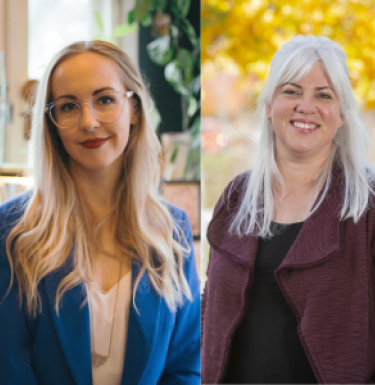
x,y
163,347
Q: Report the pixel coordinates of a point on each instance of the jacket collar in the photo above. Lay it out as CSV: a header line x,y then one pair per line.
x,y
72,324
73,327
241,249
319,236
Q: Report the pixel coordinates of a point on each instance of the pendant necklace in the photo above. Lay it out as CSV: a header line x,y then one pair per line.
x,y
98,359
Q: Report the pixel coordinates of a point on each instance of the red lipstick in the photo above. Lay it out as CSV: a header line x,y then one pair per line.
x,y
93,143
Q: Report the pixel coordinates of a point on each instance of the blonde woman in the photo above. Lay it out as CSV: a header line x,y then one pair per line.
x,y
97,274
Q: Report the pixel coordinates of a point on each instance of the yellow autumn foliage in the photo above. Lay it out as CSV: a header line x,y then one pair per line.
x,y
243,35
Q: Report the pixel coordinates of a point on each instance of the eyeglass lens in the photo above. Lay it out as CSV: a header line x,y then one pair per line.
x,y
106,108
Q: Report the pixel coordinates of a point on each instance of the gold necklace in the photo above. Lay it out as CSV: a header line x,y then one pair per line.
x,y
98,359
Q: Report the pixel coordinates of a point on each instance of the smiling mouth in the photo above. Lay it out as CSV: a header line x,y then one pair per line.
x,y
304,126
93,140
93,143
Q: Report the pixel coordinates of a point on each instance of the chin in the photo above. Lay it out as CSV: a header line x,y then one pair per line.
x,y
302,149
92,165
302,146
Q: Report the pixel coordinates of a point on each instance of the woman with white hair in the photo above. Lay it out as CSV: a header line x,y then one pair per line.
x,y
98,280
290,294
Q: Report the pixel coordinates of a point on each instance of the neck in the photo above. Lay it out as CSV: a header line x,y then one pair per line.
x,y
97,187
301,174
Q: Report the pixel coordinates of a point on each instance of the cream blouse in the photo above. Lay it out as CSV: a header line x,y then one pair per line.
x,y
101,308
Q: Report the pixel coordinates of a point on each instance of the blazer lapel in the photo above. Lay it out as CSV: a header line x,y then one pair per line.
x,y
241,249
308,248
320,235
142,329
72,326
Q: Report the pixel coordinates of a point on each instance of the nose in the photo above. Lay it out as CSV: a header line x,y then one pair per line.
x,y
306,105
88,120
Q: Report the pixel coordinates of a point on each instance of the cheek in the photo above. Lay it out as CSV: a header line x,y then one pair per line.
x,y
67,142
65,138
123,141
120,139
281,109
332,116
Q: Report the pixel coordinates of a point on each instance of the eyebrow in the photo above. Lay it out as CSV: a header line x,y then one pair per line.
x,y
300,87
96,92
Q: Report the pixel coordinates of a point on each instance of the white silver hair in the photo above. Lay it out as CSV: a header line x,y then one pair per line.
x,y
292,62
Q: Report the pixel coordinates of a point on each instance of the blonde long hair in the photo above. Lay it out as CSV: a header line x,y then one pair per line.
x,y
57,220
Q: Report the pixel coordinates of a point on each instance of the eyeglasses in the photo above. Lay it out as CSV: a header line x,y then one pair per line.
x,y
106,107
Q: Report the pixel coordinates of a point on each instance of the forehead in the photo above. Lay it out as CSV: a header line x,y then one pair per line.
x,y
315,77
82,74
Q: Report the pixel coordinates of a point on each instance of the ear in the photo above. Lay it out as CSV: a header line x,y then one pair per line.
x,y
268,111
135,109
134,119
341,120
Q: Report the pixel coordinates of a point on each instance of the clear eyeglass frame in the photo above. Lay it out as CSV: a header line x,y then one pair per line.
x,y
49,106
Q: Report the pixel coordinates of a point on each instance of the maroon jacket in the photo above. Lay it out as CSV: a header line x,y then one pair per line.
x,y
327,277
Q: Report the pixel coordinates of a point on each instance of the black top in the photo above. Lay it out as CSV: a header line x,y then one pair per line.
x,y
266,348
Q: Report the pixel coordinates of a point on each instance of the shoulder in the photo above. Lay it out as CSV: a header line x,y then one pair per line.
x,y
12,210
180,218
176,213
183,234
234,188
371,184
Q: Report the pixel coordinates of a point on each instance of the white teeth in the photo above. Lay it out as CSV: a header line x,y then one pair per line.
x,y
305,126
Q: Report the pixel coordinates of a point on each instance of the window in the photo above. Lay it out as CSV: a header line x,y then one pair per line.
x,y
52,26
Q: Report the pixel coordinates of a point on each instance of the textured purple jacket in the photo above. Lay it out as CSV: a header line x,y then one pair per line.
x,y
327,277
